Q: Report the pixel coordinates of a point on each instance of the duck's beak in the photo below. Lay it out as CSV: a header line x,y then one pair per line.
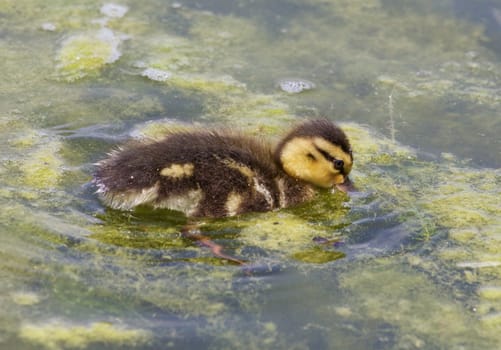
x,y
346,186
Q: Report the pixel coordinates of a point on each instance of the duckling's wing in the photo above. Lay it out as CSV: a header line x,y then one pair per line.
x,y
204,174
228,174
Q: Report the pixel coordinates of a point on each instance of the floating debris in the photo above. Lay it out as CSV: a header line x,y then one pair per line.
x,y
49,27
156,74
114,10
295,86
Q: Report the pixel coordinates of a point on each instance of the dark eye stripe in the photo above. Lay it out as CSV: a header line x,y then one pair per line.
x,y
325,154
329,158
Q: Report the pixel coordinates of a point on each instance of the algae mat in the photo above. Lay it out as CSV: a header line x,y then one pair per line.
x,y
411,261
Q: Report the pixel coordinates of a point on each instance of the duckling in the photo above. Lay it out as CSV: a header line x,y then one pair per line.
x,y
223,173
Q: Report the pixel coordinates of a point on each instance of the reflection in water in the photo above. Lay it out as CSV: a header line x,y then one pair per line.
x,y
488,14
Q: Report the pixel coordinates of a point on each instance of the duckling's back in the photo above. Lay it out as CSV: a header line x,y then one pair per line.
x,y
198,173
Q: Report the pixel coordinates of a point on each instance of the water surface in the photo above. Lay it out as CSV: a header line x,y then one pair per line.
x,y
411,261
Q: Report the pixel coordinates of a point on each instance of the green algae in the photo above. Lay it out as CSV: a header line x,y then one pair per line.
x,y
25,298
80,263
267,336
186,61
127,230
490,292
34,156
318,256
81,54
389,295
457,198
207,84
58,335
172,53
43,168
84,55
276,231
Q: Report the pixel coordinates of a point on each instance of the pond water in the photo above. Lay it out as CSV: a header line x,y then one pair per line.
x,y
411,261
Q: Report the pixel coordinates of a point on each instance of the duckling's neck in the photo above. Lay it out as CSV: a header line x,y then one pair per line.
x,y
292,191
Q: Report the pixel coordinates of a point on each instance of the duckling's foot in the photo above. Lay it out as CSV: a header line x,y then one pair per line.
x,y
194,234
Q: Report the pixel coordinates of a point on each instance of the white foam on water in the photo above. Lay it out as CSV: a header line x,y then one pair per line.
x,y
156,74
114,10
294,86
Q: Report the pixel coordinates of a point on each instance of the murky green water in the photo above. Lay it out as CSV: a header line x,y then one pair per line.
x,y
416,85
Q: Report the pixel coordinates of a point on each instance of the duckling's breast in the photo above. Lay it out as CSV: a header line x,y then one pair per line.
x,y
198,174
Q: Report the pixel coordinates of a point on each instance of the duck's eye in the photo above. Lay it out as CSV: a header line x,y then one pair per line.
x,y
311,156
338,164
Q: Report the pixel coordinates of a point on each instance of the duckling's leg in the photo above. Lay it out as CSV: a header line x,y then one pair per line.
x,y
192,232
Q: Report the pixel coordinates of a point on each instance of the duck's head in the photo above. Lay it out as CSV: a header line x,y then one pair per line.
x,y
317,152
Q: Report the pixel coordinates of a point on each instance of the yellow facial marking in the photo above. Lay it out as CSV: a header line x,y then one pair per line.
x,y
335,151
301,158
233,203
178,171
